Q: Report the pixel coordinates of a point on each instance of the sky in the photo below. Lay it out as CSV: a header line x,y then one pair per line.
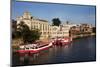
x,y
75,14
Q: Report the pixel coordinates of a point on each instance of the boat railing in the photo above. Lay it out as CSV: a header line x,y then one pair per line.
x,y
33,46
28,47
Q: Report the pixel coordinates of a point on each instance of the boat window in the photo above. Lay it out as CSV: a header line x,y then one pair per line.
x,y
32,47
26,48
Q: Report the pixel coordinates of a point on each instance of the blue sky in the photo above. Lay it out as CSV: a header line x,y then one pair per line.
x,y
65,12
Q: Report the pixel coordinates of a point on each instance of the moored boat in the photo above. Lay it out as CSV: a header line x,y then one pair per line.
x,y
32,48
62,41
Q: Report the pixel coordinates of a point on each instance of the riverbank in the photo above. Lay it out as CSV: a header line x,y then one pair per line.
x,y
16,43
83,35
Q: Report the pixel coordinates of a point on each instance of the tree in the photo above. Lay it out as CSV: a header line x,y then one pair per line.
x,y
56,22
26,34
22,29
94,29
67,22
14,27
31,36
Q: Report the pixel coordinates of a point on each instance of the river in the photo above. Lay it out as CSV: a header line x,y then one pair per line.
x,y
80,50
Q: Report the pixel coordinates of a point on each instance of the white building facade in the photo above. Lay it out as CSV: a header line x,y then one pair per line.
x,y
47,30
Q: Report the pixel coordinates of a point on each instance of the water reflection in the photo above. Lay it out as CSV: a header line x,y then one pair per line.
x,y
83,49
43,56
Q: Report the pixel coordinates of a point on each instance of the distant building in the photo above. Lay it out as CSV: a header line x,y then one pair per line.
x,y
81,29
61,31
86,28
47,30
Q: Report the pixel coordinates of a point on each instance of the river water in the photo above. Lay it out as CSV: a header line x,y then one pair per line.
x,y
80,50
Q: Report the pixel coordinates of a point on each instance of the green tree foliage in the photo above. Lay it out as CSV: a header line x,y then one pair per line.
x,y
31,36
94,29
56,22
67,22
15,33
27,35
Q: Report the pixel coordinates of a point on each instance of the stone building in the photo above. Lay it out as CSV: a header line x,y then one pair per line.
x,y
61,31
35,23
82,29
47,30
86,28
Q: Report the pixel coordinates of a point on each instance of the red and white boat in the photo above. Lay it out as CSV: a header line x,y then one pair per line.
x,y
32,49
62,41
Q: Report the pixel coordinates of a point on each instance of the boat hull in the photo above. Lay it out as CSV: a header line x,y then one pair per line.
x,y
34,51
